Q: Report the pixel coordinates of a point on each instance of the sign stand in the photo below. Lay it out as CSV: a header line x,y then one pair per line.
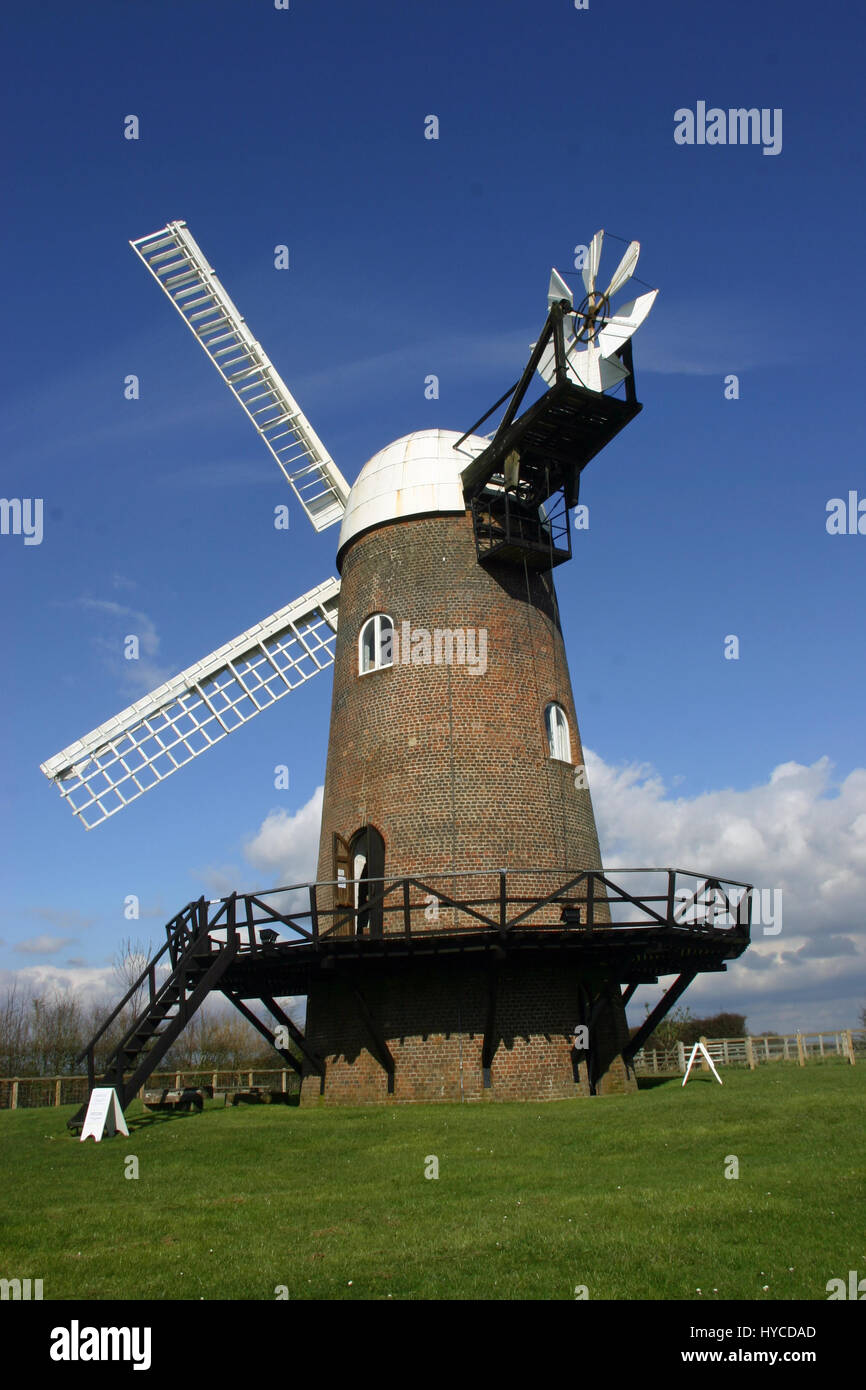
x,y
699,1047
104,1115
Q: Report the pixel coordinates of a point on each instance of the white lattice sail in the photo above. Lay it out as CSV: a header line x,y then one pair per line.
x,y
100,774
177,263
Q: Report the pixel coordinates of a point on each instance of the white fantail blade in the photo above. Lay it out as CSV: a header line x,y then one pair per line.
x,y
590,270
558,290
121,760
177,263
624,270
611,371
587,367
620,327
594,371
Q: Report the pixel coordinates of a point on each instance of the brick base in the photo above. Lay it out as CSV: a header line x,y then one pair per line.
x,y
432,1017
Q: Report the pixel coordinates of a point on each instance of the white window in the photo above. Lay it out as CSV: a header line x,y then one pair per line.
x,y
376,644
558,739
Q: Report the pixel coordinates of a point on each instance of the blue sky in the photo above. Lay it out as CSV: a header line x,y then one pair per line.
x,y
408,256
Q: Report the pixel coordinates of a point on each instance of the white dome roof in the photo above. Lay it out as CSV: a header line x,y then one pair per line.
x,y
417,474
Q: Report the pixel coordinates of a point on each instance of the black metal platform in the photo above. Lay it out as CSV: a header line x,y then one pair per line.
x,y
556,438
630,925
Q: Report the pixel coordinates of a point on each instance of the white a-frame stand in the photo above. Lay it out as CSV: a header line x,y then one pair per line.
x,y
699,1047
104,1115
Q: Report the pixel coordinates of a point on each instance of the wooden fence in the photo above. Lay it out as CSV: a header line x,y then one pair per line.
x,y
27,1092
849,1043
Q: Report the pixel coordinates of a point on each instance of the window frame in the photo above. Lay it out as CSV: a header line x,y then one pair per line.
x,y
559,734
377,619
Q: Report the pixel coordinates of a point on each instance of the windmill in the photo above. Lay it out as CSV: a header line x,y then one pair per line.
x,y
454,821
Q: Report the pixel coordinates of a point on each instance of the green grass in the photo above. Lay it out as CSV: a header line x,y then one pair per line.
x,y
626,1195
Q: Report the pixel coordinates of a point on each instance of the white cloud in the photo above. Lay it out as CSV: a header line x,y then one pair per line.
x,y
286,846
703,336
43,945
94,984
220,880
142,674
800,832
60,917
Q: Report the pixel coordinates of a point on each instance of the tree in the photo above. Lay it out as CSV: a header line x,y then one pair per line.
x,y
681,1026
129,962
723,1025
669,1031
14,1031
56,1033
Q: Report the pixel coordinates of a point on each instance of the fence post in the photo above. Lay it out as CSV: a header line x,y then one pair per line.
x,y
681,1057
177,1081
750,1054
850,1042
725,1050
801,1056
655,1061
284,1080
821,1043
14,1102
704,1063
250,1081
785,1041
57,1091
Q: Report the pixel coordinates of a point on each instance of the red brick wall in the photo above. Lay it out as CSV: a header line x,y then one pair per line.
x,y
452,768
432,1014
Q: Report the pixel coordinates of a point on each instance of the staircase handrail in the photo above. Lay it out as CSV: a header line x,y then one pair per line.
x,y
147,973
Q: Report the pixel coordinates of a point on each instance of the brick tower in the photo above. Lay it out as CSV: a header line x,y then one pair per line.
x,y
454,753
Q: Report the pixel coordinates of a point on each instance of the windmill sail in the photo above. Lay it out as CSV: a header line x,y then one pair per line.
x,y
122,759
177,263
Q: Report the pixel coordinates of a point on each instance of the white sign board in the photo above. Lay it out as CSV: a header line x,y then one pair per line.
x,y
104,1115
699,1047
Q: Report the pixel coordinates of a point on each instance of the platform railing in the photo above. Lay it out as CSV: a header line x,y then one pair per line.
x,y
493,901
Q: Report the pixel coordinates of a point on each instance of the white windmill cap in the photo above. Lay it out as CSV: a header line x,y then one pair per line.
x,y
415,476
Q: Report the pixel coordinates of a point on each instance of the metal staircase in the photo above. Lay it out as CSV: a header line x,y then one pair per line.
x,y
177,263
197,965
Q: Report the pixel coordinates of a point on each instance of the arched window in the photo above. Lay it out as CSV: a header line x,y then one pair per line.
x,y
558,738
376,644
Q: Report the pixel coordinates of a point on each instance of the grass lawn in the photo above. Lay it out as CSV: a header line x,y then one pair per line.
x,y
626,1195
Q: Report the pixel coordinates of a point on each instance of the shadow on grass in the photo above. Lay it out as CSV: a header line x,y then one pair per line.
x,y
649,1083
159,1117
